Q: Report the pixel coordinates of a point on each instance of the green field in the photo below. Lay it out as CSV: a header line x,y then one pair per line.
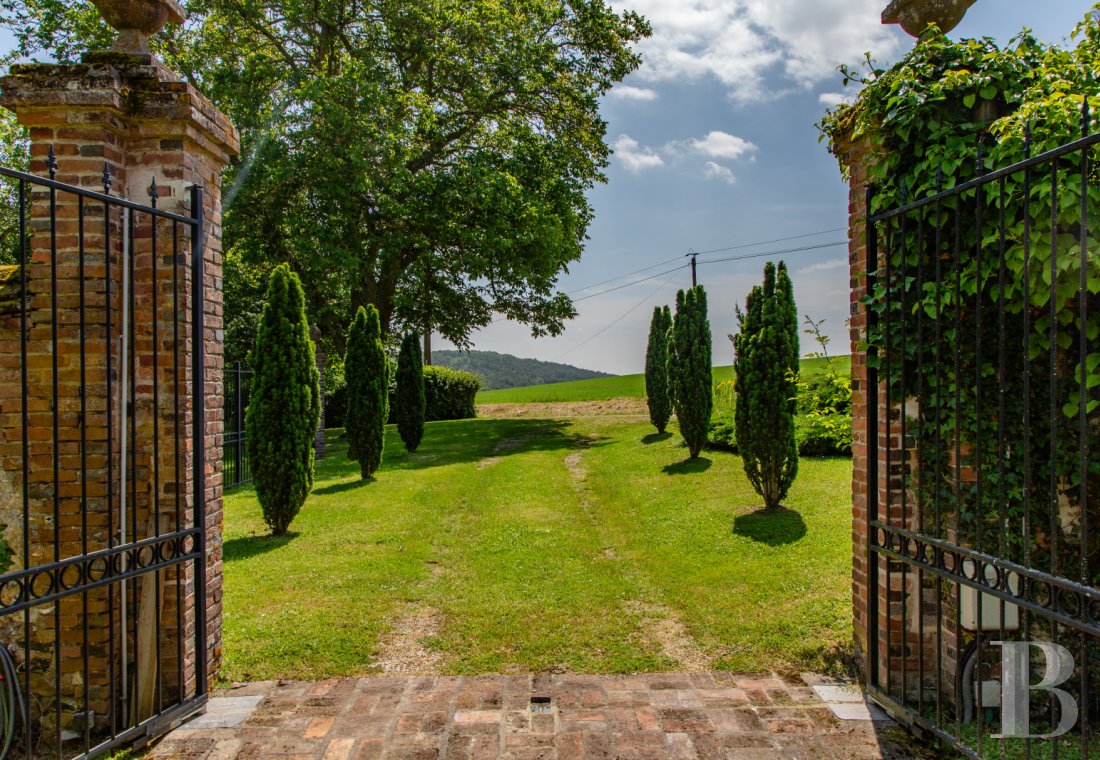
x,y
538,545
605,388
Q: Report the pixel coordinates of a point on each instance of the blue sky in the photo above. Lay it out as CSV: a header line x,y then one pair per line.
x,y
716,147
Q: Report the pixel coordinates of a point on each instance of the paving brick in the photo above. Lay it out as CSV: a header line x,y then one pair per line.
x,y
654,717
339,749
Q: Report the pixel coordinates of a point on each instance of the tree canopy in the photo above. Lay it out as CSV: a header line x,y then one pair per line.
x,y
428,156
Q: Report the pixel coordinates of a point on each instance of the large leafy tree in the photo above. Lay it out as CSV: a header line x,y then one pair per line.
x,y
766,382
689,368
285,404
431,157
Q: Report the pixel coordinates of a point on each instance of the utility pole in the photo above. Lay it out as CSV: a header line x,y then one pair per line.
x,y
694,279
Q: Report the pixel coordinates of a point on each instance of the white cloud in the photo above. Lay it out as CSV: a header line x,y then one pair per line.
x,y
760,49
717,171
634,156
627,92
834,99
722,145
825,266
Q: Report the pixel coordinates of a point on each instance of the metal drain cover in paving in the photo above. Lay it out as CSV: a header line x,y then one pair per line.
x,y
541,705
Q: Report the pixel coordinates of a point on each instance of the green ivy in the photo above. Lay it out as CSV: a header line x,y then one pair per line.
x,y
945,114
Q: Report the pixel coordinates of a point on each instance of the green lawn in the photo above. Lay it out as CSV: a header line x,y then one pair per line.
x,y
604,388
541,545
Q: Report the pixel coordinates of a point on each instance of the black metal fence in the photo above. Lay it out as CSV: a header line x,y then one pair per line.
x,y
102,596
235,463
984,479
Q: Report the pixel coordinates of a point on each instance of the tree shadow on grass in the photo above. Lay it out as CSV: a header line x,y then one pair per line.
x,y
342,486
466,441
656,437
251,546
688,466
774,527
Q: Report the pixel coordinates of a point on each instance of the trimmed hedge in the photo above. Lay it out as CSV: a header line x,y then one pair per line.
x,y
449,394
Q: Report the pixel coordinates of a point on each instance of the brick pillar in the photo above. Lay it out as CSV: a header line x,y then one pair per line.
x,y
899,606
855,156
129,113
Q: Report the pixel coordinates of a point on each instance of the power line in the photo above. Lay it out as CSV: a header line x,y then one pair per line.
x,y
702,253
769,242
628,274
620,318
630,284
776,253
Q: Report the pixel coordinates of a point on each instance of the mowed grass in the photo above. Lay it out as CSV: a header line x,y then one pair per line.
x,y
540,545
621,386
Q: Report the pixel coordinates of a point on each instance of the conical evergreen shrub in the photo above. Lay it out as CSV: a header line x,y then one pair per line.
x,y
766,370
411,402
367,379
656,369
285,403
689,375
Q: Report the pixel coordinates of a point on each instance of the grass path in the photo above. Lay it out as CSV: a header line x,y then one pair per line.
x,y
518,545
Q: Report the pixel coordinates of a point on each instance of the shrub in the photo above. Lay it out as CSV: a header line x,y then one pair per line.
x,y
824,422
284,407
766,371
689,372
656,369
367,379
410,399
449,394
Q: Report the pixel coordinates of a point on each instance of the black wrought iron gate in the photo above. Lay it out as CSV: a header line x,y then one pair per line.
x,y
984,458
102,596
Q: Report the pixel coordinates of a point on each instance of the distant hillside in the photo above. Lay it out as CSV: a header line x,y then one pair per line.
x,y
506,371
621,386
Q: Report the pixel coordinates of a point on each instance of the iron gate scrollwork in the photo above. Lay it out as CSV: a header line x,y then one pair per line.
x,y
983,441
102,465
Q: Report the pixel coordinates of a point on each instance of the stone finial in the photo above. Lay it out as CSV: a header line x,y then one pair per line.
x,y
915,15
135,20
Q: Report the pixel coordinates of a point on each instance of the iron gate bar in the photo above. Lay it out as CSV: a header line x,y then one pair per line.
x,y
111,562
1086,595
198,378
123,559
1048,157
95,195
923,552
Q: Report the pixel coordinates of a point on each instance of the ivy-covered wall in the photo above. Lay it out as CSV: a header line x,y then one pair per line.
x,y
978,296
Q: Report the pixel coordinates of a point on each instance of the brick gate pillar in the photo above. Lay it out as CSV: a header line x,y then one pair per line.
x,y
855,156
129,113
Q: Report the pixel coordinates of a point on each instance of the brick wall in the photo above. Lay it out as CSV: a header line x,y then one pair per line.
x,y
132,116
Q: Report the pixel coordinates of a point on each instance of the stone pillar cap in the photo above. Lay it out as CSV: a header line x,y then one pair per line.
x,y
915,15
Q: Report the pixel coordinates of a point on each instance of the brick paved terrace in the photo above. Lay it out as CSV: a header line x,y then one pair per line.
x,y
698,715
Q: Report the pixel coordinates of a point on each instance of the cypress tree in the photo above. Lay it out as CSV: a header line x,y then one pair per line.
x,y
285,403
766,375
656,369
689,376
367,378
411,401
